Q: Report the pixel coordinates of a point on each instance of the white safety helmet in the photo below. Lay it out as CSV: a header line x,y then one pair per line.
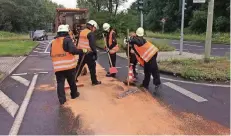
x,y
93,23
68,27
63,28
140,31
106,26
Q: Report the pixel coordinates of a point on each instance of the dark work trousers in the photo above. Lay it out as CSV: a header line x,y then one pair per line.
x,y
60,77
151,68
113,61
91,66
133,61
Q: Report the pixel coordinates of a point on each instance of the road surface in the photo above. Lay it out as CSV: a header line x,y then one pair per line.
x,y
198,47
31,107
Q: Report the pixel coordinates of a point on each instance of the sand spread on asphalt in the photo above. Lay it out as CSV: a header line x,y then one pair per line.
x,y
99,111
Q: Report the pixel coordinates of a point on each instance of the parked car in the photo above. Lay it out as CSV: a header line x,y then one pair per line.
x,y
40,35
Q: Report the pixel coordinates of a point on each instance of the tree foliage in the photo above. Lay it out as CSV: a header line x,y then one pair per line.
x,y
24,15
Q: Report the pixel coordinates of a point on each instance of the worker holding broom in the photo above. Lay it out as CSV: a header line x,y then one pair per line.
x,y
111,47
64,62
87,41
148,53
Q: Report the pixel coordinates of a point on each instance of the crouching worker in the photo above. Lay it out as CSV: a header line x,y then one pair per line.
x,y
64,62
148,53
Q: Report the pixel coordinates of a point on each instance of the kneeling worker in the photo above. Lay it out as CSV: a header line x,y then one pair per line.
x,y
64,62
87,41
148,52
111,45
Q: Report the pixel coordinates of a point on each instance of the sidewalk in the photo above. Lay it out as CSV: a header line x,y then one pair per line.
x,y
8,65
163,56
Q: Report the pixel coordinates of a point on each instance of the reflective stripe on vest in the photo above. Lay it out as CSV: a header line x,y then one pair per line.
x,y
83,42
116,48
147,51
61,60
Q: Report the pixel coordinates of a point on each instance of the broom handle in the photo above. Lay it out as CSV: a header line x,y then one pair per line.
x,y
128,57
81,62
109,57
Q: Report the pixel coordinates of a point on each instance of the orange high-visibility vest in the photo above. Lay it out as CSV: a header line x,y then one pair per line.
x,y
61,60
83,42
116,48
147,51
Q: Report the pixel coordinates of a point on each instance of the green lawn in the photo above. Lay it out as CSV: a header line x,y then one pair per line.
x,y
16,47
217,70
161,45
217,37
4,36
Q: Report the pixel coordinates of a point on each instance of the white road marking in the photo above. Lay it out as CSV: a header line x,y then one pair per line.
x,y
35,51
21,80
19,74
47,47
39,49
19,118
10,106
42,72
189,82
185,92
118,67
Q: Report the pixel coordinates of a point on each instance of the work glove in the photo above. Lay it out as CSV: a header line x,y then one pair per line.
x,y
85,50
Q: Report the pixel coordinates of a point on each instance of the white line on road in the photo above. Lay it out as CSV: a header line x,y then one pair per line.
x,y
35,51
33,55
10,106
19,118
19,74
47,47
42,72
185,92
195,83
21,80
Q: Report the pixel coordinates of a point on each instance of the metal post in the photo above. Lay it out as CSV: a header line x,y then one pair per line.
x,y
141,19
182,28
209,30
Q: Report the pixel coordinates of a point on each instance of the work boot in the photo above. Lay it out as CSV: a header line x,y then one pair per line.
x,y
143,88
96,83
77,95
108,74
62,102
157,87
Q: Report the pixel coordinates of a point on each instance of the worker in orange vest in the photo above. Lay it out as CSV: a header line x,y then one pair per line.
x,y
111,45
87,41
64,62
148,53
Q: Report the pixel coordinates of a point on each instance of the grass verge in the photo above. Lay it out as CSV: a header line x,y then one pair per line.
x,y
218,69
5,36
1,75
217,38
16,47
161,45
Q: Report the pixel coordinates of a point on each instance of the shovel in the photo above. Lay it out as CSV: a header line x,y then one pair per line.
x,y
112,69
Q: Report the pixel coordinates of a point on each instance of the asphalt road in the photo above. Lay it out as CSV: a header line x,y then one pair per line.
x,y
199,47
38,111
217,104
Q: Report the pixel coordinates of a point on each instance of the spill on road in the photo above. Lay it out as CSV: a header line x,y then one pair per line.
x,y
99,111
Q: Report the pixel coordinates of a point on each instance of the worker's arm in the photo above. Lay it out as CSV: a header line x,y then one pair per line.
x,y
114,42
69,46
92,41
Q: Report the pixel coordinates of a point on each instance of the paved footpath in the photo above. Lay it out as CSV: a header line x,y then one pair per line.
x,y
29,104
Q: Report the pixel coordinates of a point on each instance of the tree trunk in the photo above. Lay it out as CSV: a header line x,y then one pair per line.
x,y
110,6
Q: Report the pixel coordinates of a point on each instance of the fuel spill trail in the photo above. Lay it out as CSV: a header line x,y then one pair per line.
x,y
99,111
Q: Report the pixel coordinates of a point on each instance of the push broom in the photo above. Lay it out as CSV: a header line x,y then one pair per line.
x,y
112,69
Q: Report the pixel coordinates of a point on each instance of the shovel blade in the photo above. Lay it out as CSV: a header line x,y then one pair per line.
x,y
113,70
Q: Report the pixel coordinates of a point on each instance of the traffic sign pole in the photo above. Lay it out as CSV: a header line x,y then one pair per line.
x,y
209,30
141,19
182,28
